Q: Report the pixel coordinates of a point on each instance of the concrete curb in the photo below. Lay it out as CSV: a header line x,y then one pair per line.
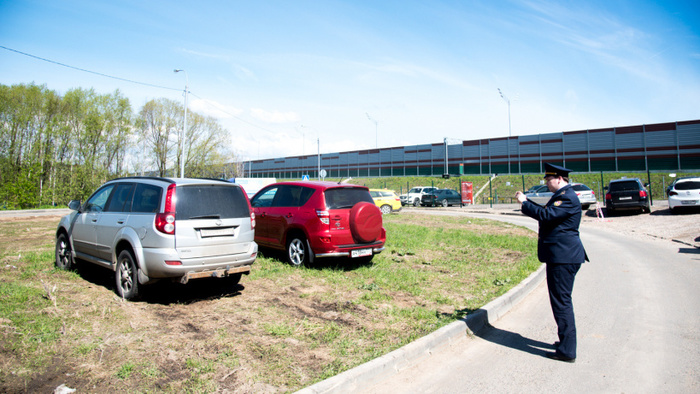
x,y
372,372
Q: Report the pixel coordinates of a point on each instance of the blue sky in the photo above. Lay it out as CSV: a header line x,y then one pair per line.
x,y
358,74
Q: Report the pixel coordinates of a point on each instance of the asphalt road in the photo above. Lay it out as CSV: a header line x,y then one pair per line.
x,y
637,306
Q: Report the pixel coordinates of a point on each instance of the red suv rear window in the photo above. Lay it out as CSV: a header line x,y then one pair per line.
x,y
346,197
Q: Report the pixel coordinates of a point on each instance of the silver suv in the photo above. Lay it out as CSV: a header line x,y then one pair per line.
x,y
147,228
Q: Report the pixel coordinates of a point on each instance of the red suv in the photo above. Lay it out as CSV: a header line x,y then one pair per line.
x,y
312,220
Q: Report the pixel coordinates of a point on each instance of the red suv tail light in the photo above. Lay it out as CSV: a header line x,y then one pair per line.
x,y
165,222
324,216
608,196
642,194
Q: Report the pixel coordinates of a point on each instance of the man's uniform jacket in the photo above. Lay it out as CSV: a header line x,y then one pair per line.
x,y
559,219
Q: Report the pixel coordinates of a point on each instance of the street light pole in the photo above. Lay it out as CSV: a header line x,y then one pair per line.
x,y
184,127
376,134
509,133
318,147
303,140
507,101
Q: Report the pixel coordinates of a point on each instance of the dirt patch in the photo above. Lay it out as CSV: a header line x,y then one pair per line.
x,y
27,234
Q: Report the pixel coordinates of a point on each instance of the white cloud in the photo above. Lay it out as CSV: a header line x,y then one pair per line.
x,y
274,116
214,109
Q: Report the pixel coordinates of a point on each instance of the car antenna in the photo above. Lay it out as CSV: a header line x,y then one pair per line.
x,y
344,181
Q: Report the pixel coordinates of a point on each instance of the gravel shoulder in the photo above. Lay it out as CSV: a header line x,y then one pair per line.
x,y
683,228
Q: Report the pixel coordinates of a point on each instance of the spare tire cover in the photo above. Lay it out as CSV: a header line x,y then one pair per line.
x,y
365,222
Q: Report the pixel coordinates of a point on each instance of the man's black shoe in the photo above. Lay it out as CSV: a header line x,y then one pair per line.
x,y
559,357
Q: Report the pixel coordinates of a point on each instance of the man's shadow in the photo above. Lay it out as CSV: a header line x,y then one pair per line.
x,y
513,340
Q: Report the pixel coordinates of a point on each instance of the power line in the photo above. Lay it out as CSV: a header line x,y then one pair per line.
x,y
88,71
136,82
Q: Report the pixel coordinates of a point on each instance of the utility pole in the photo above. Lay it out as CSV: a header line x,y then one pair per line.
x,y
184,127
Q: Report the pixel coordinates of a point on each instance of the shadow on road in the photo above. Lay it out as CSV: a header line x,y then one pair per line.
x,y
514,341
689,250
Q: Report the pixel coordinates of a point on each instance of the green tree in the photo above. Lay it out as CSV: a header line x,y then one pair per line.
x,y
158,121
206,143
56,148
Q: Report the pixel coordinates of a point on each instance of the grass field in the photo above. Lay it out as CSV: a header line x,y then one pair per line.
x,y
282,329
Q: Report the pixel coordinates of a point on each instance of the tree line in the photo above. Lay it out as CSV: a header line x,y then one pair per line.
x,y
55,148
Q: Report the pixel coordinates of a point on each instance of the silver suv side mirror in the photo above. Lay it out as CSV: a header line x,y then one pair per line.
x,y
74,205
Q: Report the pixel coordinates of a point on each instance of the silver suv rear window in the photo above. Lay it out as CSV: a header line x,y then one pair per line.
x,y
210,202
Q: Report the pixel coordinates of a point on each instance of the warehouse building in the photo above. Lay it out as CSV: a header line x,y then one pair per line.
x,y
671,146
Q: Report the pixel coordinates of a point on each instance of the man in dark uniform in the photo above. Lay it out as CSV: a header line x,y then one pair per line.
x,y
560,247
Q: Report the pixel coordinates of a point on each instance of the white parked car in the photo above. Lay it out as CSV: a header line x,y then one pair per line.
x,y
685,192
584,193
414,195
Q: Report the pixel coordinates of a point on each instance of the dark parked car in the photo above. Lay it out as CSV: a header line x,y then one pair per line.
x,y
147,228
311,220
627,194
444,197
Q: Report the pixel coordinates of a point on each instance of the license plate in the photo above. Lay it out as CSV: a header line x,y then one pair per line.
x,y
360,252
689,202
216,232
625,198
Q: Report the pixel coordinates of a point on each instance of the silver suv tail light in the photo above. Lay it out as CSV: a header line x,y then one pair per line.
x,y
165,222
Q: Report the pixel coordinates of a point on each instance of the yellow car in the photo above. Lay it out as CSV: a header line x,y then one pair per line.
x,y
387,200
